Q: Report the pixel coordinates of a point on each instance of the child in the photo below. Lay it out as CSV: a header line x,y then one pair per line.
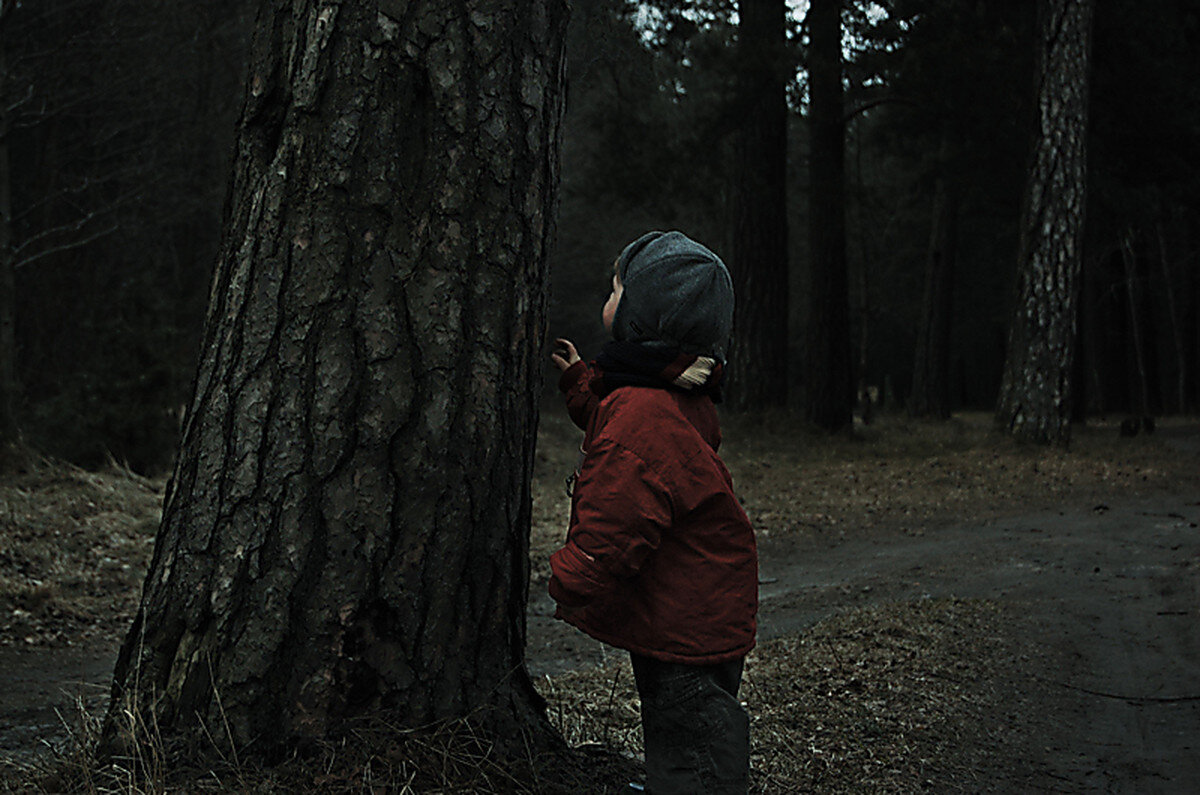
x,y
660,558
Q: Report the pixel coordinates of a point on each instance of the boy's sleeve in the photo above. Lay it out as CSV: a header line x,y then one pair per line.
x,y
581,401
620,513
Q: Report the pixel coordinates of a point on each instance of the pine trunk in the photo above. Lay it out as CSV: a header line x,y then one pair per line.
x,y
346,530
829,380
1035,396
759,355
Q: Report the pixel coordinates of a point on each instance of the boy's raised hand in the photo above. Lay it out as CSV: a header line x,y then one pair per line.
x,y
564,354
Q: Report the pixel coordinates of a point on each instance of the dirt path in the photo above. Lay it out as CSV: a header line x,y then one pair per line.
x,y
1107,595
41,690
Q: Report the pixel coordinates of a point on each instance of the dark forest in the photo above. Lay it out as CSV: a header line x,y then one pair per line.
x,y
117,141
282,457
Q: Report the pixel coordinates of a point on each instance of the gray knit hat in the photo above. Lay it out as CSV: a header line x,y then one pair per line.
x,y
676,292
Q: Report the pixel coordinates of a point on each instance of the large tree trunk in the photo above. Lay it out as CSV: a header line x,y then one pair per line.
x,y
759,355
829,381
1035,396
346,530
930,395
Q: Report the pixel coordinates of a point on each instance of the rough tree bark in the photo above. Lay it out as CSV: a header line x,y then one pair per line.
x,y
1035,395
346,529
930,395
759,355
829,381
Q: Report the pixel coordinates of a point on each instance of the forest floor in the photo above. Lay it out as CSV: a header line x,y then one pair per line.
x,y
941,609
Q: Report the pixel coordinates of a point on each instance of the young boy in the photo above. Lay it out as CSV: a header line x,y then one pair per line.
x,y
660,559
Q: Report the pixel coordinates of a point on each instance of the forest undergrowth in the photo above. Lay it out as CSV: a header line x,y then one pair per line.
x,y
886,698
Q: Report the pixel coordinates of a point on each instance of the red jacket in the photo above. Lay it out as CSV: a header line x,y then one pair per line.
x,y
660,558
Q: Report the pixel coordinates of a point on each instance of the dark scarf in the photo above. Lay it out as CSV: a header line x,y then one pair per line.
x,y
640,364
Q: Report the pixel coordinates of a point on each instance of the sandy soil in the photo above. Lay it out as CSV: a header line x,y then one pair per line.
x,y
1099,592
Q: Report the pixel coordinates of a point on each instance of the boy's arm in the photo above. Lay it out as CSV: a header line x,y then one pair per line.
x,y
581,401
621,511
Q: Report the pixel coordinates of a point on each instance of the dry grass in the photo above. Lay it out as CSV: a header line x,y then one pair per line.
x,y
896,474
74,547
902,474
898,698
376,756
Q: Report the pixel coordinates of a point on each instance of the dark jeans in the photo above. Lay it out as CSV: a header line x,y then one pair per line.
x,y
697,736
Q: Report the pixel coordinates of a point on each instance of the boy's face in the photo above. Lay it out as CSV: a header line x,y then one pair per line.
x,y
614,298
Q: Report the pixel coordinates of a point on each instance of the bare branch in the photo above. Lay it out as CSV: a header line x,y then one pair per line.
x,y
21,263
891,99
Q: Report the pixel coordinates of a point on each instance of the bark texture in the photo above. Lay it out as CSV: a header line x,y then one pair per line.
x,y
1035,395
346,529
829,379
759,356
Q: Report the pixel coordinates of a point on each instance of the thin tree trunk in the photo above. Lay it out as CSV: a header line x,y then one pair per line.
x,y
1189,289
346,530
1141,389
1093,350
829,380
759,356
1173,319
863,389
1035,395
866,395
931,370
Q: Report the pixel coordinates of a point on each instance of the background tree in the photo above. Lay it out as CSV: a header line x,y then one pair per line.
x,y
120,133
9,431
930,395
119,138
1143,213
829,380
347,526
759,351
936,120
647,143
1035,396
